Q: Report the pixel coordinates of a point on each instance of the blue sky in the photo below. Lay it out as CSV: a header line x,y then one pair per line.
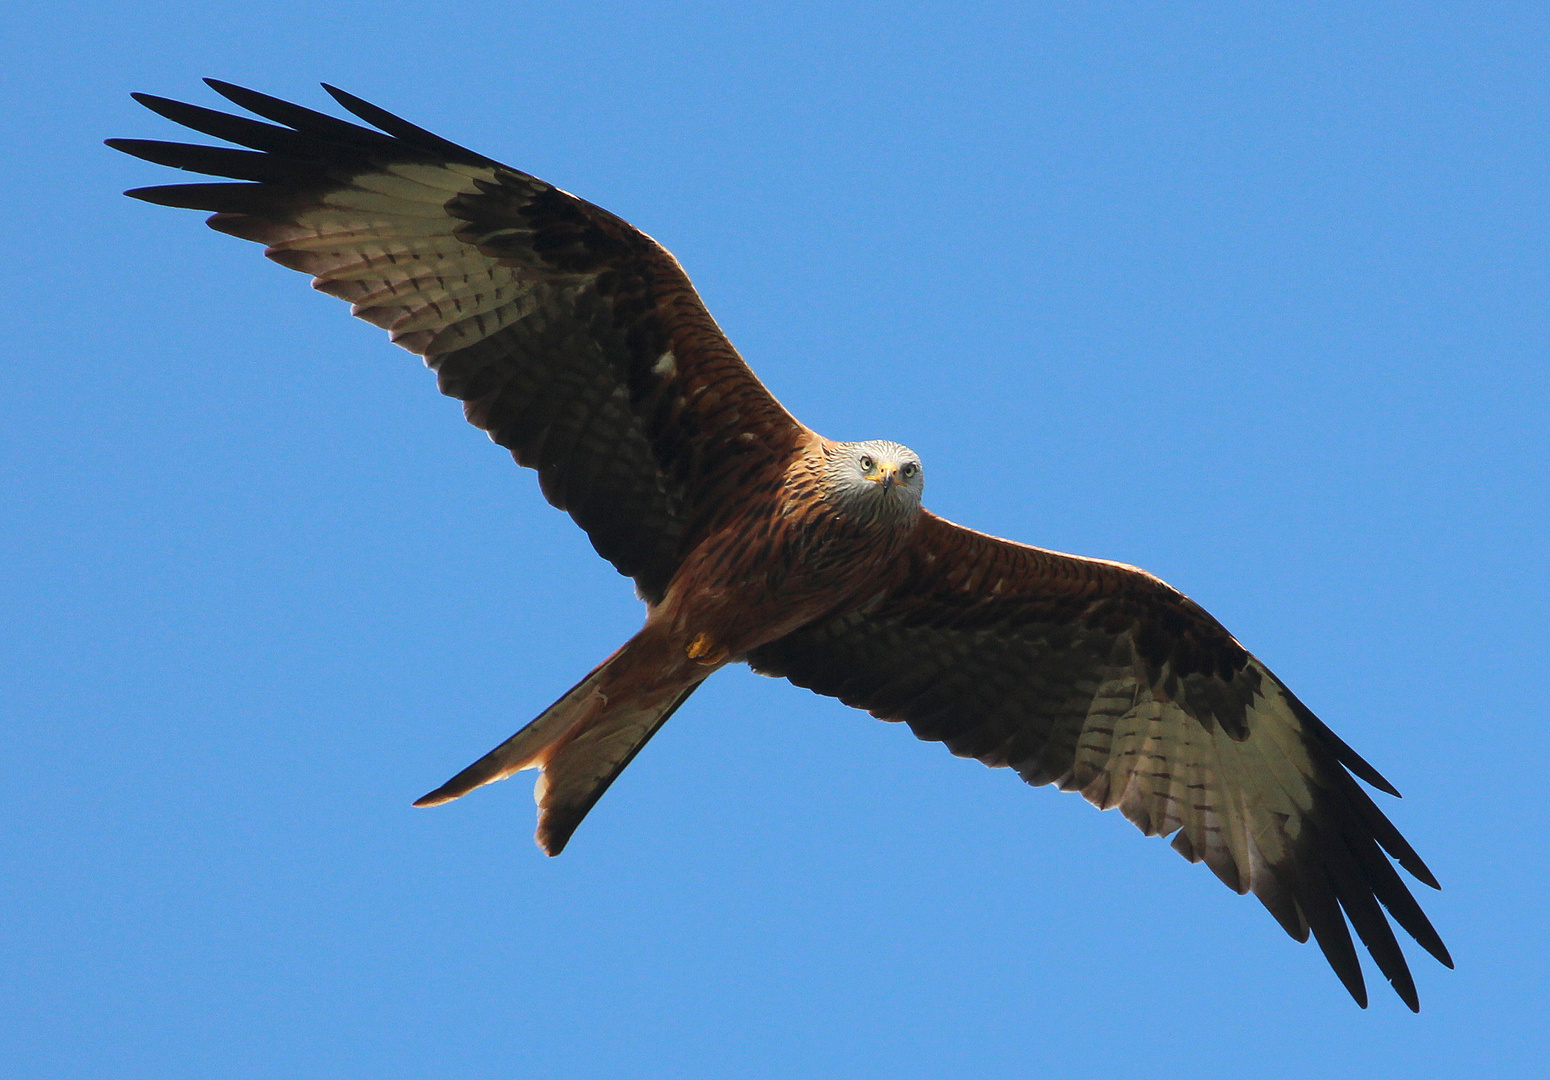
x,y
1253,298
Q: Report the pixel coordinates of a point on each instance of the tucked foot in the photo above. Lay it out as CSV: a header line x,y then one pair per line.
x,y
705,650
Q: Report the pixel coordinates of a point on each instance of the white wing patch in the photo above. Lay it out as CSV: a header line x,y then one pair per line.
x,y
1236,805
388,245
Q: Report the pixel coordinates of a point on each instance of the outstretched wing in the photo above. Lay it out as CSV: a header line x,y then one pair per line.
x,y
1100,678
571,337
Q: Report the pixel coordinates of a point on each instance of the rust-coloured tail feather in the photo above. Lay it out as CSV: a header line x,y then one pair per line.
x,y
572,782
528,748
582,742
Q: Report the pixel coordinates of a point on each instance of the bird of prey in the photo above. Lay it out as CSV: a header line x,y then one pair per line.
x,y
578,343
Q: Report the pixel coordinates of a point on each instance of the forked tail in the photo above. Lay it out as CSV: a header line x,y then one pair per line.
x,y
581,743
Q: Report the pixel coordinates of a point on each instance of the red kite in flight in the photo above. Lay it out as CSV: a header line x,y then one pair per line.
x,y
579,344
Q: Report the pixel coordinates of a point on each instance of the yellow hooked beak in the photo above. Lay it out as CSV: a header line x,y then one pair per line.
x,y
887,474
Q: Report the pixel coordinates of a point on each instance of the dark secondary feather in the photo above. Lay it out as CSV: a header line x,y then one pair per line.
x,y
1099,678
574,339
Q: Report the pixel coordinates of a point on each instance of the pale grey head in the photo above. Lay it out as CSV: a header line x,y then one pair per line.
x,y
874,480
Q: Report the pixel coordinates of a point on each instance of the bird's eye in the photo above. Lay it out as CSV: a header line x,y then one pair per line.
x,y
866,463
910,469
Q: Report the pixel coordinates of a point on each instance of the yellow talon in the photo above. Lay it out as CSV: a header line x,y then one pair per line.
x,y
703,649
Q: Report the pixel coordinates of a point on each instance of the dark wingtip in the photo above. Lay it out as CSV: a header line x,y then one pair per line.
x,y
1405,988
244,97
175,195
341,96
163,106
359,106
402,129
1358,765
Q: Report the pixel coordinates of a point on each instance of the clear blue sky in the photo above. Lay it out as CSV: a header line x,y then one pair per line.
x,y
1256,299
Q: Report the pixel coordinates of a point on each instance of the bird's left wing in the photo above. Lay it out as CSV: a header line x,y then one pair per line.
x,y
1100,678
571,337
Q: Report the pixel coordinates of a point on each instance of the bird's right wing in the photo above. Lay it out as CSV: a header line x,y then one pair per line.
x,y
571,337
1100,678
